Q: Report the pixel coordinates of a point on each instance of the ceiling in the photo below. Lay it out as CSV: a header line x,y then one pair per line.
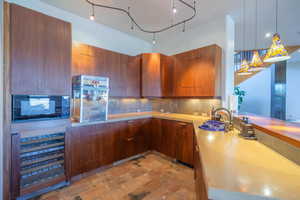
x,y
155,14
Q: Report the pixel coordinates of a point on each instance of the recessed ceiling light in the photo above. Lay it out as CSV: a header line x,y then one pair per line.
x,y
268,35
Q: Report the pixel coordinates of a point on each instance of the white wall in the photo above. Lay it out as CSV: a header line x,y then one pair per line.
x,y
292,91
1,99
204,34
258,94
220,32
86,31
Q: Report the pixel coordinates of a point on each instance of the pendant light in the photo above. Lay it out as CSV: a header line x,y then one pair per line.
x,y
256,63
277,51
244,64
92,16
154,39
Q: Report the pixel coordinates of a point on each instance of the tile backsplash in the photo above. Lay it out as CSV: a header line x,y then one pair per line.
x,y
184,106
117,105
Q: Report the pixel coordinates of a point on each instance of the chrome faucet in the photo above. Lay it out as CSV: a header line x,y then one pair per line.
x,y
229,124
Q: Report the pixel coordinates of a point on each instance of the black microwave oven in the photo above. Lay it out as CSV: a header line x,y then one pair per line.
x,y
39,107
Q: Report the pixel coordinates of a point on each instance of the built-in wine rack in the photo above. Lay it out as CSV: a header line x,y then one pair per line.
x,y
40,161
41,158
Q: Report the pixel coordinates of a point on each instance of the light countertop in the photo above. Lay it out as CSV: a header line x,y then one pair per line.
x,y
286,131
234,164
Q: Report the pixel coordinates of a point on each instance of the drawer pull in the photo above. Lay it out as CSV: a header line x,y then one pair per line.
x,y
130,139
182,124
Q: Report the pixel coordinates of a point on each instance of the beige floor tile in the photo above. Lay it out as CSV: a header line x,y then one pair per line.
x,y
149,178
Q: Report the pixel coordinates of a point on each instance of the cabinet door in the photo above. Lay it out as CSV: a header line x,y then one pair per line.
x,y
121,141
197,72
167,75
117,73
40,53
57,61
89,154
201,186
168,140
156,135
106,143
185,141
142,140
27,46
77,142
133,77
151,75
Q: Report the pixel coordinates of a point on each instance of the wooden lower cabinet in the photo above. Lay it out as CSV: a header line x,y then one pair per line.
x,y
200,179
168,140
156,134
95,146
185,143
174,139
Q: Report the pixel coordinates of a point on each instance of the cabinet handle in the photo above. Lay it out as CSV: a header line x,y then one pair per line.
x,y
182,124
197,148
130,139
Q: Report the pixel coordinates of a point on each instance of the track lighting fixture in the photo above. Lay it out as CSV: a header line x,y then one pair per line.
x,y
134,22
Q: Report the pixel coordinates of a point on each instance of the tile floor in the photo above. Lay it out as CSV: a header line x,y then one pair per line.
x,y
148,178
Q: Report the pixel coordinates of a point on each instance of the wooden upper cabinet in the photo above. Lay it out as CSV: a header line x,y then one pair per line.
x,y
122,70
133,74
197,72
40,53
194,73
157,76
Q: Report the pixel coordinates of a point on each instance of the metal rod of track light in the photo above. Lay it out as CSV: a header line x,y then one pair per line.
x,y
192,7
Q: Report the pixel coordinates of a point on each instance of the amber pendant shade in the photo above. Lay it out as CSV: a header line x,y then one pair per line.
x,y
277,51
256,63
244,68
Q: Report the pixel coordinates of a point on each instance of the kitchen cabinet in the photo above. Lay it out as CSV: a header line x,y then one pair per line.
x,y
133,76
200,179
122,70
135,140
156,75
99,145
168,140
40,53
174,139
197,73
95,146
156,134
92,147
185,143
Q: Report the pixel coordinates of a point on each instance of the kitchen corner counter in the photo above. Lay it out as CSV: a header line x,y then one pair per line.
x,y
232,165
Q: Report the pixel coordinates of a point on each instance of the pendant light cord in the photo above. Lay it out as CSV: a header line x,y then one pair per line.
x,y
244,26
256,22
277,7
